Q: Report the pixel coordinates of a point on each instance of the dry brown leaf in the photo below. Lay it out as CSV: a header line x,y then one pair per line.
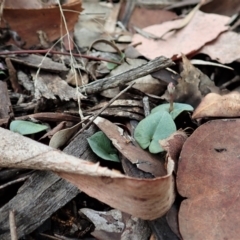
x,y
173,145
61,137
75,78
151,16
222,7
185,21
116,225
143,198
26,4
26,22
35,61
202,28
51,85
49,134
225,49
208,176
215,105
192,85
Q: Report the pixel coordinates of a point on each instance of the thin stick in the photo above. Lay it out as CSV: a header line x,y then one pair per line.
x,y
13,182
45,51
101,110
233,80
128,76
12,225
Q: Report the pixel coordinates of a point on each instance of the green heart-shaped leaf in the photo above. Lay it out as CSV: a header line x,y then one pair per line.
x,y
102,147
155,127
26,127
177,108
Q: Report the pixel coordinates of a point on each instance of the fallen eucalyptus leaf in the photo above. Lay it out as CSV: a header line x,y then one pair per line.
x,y
61,137
215,105
208,179
143,198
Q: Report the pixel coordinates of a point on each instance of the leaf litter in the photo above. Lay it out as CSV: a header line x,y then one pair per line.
x,y
143,109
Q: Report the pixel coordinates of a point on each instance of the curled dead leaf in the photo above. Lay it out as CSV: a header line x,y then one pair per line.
x,y
143,198
201,29
215,105
173,145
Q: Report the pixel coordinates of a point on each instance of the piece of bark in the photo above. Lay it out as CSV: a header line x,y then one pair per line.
x,y
43,193
132,113
128,76
37,61
13,76
5,103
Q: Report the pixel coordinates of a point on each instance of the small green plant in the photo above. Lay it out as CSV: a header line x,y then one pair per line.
x,y
159,124
26,127
102,147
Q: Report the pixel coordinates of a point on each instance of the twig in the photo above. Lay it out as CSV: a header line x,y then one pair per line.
x,y
45,51
226,84
101,110
146,106
12,225
128,76
13,182
49,236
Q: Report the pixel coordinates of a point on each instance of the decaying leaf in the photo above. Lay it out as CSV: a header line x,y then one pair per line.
x,y
90,25
49,86
184,21
22,20
116,225
208,177
222,7
38,61
173,145
143,198
225,49
61,137
75,78
215,105
192,85
202,28
50,133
